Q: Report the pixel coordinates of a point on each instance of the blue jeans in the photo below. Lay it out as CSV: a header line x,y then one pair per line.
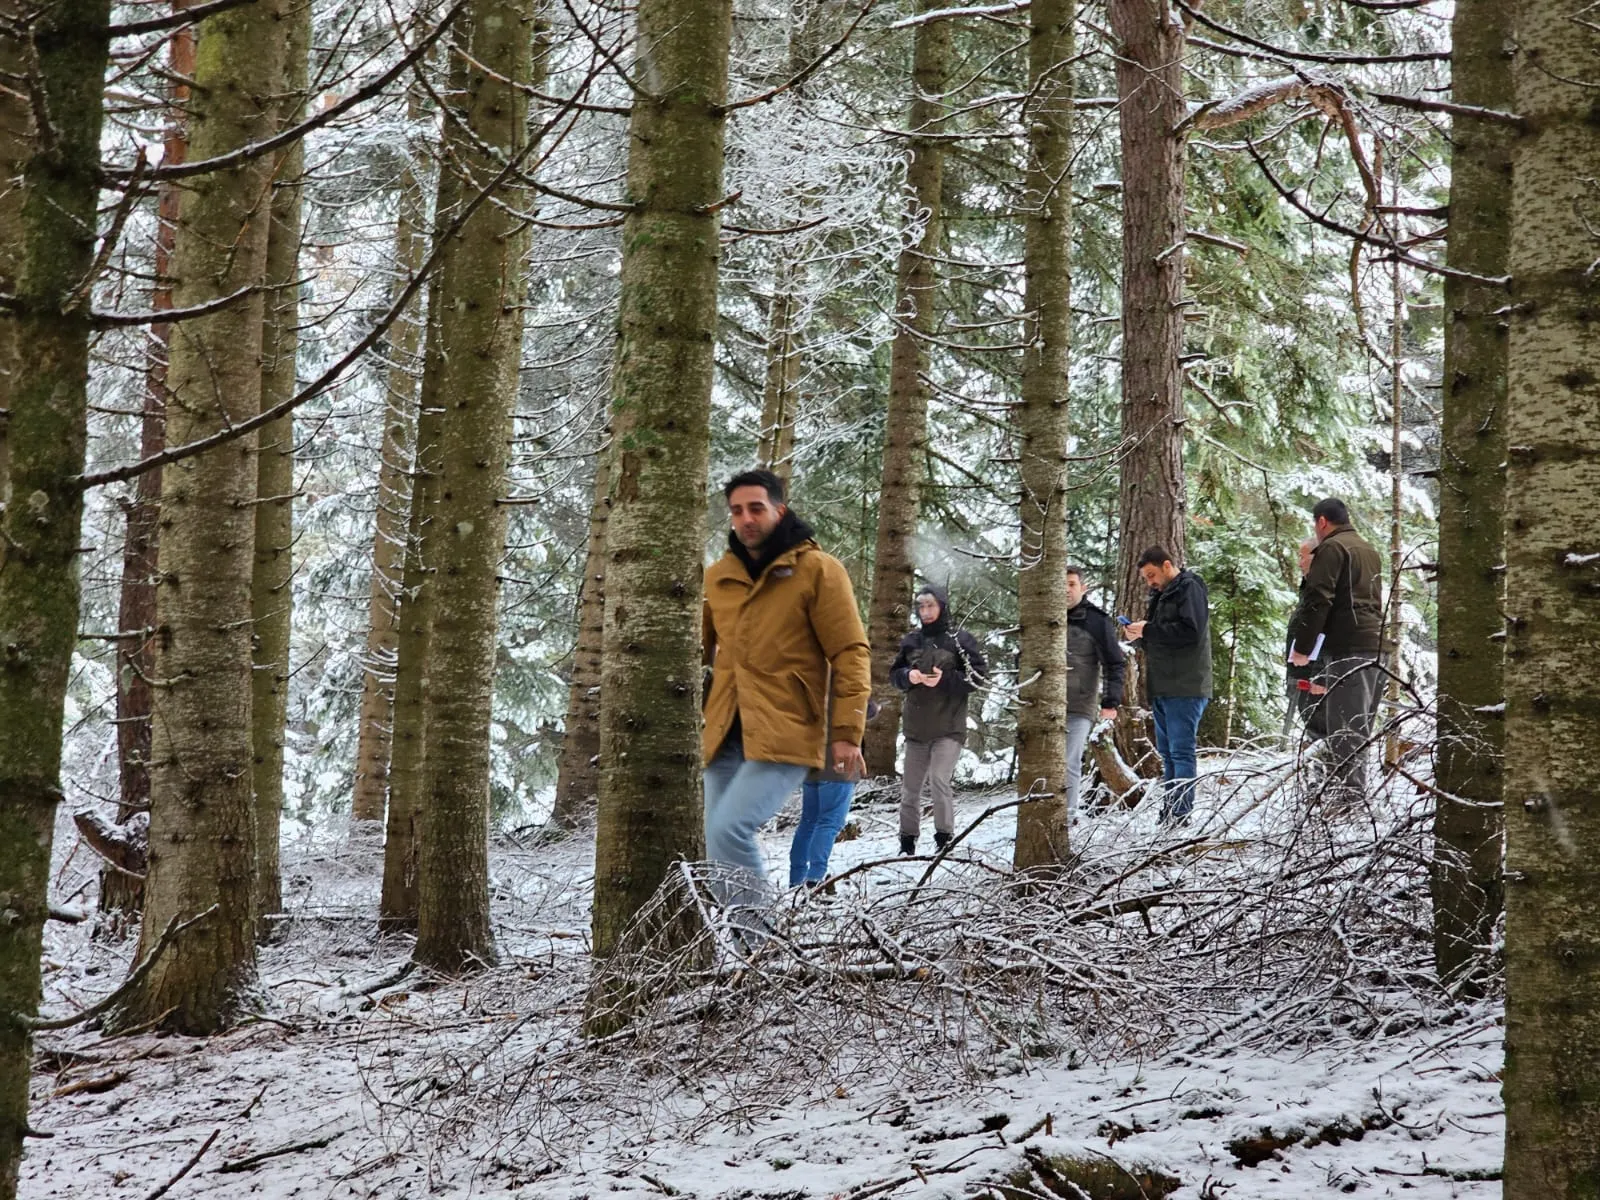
x,y
1177,724
824,805
741,797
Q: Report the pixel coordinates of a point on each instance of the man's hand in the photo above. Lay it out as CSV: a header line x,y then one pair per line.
x,y
1133,631
847,760
1298,659
1108,714
926,678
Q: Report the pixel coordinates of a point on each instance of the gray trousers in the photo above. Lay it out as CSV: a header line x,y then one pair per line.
x,y
1077,740
934,763
1348,710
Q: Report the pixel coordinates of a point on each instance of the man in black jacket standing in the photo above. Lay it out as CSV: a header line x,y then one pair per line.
x,y
1095,666
1340,627
1176,633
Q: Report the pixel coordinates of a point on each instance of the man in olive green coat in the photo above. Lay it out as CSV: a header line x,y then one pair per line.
x,y
791,673
1339,630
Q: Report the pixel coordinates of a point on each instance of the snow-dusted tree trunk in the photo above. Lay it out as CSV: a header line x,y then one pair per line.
x,y
202,818
1041,421
46,363
650,811
374,741
578,777
274,537
481,290
1467,835
1552,598
905,430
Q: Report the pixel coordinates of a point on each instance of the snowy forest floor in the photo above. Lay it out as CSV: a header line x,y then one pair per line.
x,y
1240,1009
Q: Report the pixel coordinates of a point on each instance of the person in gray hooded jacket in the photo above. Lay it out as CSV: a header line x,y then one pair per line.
x,y
937,668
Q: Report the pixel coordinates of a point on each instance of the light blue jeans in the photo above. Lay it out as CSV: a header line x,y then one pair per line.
x,y
741,797
1177,726
824,806
1078,728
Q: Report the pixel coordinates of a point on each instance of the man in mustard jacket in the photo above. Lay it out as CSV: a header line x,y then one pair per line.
x,y
783,637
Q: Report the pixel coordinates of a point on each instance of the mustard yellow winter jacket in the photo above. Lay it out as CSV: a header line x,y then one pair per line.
x,y
774,643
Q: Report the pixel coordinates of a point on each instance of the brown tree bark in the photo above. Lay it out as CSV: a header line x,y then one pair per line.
x,y
775,443
46,364
202,817
375,741
1551,1083
1041,421
650,812
1151,496
136,613
1468,831
905,430
270,588
578,777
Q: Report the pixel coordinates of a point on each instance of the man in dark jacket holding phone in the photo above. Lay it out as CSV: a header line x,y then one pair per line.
x,y
1340,628
1095,667
938,668
1176,634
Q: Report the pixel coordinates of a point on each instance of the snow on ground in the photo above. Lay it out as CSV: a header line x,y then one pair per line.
x,y
337,1082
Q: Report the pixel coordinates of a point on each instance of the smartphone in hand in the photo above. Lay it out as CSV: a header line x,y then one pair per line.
x,y
1122,620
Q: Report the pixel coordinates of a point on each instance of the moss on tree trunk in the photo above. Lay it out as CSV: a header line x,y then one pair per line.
x,y
480,323
650,801
47,366
1041,421
202,815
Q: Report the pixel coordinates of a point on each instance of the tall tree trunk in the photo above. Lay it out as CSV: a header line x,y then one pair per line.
x,y
482,291
1468,834
408,763
1552,775
47,365
578,779
202,816
650,811
1151,497
270,591
136,610
905,430
375,739
1041,419
775,445
16,128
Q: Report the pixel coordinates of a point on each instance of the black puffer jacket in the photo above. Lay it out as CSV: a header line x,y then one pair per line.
x,y
931,713
1177,638
1092,651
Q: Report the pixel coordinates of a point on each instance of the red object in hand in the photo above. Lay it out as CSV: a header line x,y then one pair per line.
x,y
1303,685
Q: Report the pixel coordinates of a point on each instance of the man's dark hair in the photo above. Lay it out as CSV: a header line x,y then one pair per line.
x,y
760,478
1078,571
1154,557
1333,509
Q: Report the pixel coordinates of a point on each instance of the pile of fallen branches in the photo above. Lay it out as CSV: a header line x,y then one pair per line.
x,y
1267,922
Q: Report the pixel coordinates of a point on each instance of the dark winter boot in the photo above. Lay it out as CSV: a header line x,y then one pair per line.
x,y
908,844
941,839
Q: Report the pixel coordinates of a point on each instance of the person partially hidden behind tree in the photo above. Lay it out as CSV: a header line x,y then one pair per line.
x,y
1304,688
1095,668
790,678
937,668
1176,634
1343,608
